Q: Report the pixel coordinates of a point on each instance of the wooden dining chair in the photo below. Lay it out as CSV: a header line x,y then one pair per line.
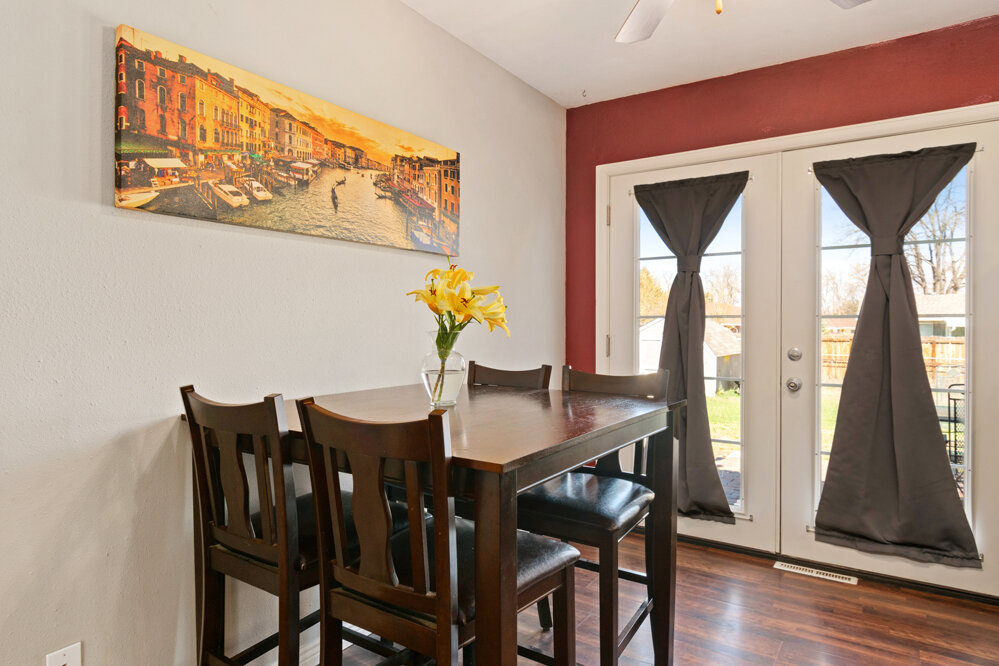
x,y
482,375
262,548
598,506
272,548
416,588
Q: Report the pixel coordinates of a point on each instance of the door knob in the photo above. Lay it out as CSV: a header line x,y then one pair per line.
x,y
793,384
794,354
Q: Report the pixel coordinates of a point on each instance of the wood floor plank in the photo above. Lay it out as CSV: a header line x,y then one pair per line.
x,y
736,609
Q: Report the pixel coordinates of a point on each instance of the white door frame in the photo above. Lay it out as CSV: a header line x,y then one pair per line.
x,y
987,463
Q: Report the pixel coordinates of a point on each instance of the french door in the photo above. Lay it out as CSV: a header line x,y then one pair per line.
x,y
740,271
783,282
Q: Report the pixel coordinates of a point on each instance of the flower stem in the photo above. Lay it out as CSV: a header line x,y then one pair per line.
x,y
439,384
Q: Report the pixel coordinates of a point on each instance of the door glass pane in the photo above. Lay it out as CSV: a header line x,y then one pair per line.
x,y
728,458
650,342
655,276
649,242
721,276
729,238
722,280
844,279
936,255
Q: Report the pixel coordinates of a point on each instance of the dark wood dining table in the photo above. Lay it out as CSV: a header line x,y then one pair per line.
x,y
505,441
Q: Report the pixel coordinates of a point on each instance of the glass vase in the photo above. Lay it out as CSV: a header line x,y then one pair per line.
x,y
443,375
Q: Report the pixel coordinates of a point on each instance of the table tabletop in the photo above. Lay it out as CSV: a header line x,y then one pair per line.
x,y
499,429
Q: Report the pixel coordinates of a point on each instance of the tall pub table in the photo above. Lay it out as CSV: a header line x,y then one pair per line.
x,y
507,440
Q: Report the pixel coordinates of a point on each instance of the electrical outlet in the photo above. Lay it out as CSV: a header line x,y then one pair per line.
x,y
71,655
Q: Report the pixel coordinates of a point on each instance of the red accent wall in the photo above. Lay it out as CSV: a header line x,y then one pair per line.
x,y
947,68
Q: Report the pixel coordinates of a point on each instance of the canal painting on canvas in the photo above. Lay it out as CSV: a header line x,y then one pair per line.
x,y
200,138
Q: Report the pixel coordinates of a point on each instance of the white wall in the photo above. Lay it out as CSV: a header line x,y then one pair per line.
x,y
104,313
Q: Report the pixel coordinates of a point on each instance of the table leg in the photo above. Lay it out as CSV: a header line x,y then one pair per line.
x,y
660,543
496,568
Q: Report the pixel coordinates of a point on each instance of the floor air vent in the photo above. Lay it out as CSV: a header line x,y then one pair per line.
x,y
817,573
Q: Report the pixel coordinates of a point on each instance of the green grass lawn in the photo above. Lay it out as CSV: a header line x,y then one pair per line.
x,y
724,412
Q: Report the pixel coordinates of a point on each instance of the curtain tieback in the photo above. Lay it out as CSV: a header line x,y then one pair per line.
x,y
691,264
886,245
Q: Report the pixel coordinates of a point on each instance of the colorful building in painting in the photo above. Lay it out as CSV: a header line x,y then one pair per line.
x,y
292,137
318,142
218,117
451,188
434,181
254,117
403,168
428,181
336,151
154,104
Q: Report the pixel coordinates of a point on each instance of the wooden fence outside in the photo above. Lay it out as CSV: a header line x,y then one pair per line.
x,y
944,358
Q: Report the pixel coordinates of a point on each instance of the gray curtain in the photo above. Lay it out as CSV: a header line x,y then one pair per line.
x,y
687,214
889,487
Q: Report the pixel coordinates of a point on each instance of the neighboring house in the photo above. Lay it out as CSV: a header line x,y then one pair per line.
x,y
941,314
722,353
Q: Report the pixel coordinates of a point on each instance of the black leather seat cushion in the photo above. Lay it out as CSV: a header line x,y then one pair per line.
x,y
607,503
308,549
537,557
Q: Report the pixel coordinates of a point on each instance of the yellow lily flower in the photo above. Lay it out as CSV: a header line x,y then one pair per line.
x,y
449,291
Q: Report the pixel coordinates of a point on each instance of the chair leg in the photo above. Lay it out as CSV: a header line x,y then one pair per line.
x,y
288,632
330,640
212,614
544,614
447,646
608,602
565,620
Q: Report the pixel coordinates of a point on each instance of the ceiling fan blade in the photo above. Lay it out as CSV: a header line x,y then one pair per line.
x,y
643,20
849,4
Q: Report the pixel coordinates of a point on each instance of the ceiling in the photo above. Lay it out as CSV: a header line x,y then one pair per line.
x,y
566,47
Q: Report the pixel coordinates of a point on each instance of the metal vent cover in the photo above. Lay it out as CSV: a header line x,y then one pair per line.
x,y
816,573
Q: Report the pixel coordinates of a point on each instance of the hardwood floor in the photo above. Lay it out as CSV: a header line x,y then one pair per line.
x,y
738,609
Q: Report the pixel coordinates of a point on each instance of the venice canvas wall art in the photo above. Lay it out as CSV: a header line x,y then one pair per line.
x,y
200,138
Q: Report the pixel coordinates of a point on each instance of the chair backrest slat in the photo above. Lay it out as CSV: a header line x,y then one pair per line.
x,y
206,467
417,538
538,378
337,442
232,472
331,472
222,435
267,527
374,530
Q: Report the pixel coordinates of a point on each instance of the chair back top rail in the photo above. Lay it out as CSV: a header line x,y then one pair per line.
x,y
538,378
367,446
222,436
652,385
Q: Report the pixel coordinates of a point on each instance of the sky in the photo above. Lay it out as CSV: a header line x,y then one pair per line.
x,y
378,140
